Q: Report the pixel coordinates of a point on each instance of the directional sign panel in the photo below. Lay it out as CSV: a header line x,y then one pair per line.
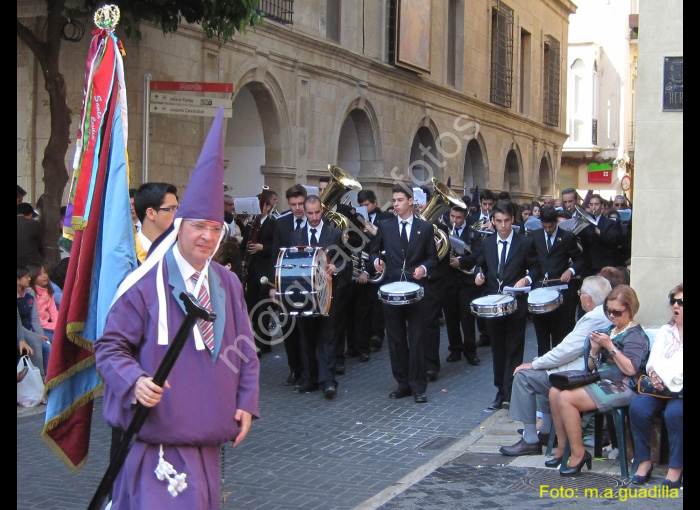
x,y
198,111
166,98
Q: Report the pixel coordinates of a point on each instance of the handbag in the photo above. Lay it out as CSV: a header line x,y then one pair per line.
x,y
570,379
646,387
30,390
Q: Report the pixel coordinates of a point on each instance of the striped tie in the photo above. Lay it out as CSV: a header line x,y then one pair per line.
x,y
205,327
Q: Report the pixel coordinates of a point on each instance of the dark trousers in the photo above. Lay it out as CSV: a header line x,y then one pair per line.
x,y
377,315
642,409
317,341
508,345
405,331
258,312
363,315
292,345
456,303
432,306
552,327
342,303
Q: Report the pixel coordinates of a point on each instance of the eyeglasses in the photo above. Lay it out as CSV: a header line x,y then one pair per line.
x,y
580,292
673,301
614,313
201,227
172,208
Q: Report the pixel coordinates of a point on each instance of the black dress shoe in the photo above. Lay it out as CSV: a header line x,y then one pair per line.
x,y
375,342
473,360
454,356
496,404
339,369
505,405
522,448
553,462
292,379
330,392
364,357
399,393
352,353
431,375
420,398
574,470
483,341
642,479
306,387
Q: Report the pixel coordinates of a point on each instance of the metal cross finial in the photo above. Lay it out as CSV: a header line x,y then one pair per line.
x,y
107,17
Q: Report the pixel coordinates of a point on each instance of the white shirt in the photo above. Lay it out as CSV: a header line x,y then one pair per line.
x,y
145,242
499,244
318,233
294,222
186,270
666,357
409,225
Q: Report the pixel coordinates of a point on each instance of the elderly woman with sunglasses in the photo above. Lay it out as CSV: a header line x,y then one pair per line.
x,y
619,355
665,368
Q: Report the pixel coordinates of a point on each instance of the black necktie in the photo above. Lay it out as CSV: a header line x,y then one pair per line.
x,y
314,240
299,220
459,232
503,259
549,243
404,237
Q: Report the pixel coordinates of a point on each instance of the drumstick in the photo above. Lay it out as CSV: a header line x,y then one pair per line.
x,y
501,298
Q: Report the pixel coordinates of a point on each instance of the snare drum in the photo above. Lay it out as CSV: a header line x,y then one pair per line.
x,y
544,300
300,281
400,293
494,305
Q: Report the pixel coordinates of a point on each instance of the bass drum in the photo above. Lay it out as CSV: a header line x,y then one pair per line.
x,y
544,300
494,305
300,281
400,293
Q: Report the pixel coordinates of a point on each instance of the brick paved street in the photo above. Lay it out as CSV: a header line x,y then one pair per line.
x,y
307,452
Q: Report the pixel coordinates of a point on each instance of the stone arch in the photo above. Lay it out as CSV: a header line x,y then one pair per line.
x,y
425,159
545,180
357,140
513,170
259,133
476,165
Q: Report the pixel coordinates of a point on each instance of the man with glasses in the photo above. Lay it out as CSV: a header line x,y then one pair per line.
x,y
620,202
211,393
601,241
531,384
155,204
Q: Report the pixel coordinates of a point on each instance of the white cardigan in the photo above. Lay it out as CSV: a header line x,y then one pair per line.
x,y
669,367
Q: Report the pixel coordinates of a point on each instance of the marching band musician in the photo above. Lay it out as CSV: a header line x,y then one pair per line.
x,y
369,313
287,224
317,333
506,260
410,254
600,241
560,259
483,218
258,266
460,291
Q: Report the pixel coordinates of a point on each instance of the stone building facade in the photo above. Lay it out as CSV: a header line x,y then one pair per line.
x,y
322,90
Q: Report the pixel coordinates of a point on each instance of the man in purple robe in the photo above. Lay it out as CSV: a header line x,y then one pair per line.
x,y
212,391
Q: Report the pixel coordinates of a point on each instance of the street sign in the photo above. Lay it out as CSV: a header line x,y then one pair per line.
x,y
165,98
192,86
198,111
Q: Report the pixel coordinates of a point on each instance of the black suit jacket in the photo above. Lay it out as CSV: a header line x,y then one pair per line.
x,y
29,247
330,238
282,238
260,261
521,262
421,249
467,261
601,250
555,262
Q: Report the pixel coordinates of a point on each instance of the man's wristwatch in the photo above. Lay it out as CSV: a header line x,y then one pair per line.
x,y
614,351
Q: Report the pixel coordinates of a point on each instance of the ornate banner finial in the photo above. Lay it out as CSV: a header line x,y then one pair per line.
x,y
107,17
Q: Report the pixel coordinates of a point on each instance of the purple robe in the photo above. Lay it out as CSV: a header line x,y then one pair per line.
x,y
197,413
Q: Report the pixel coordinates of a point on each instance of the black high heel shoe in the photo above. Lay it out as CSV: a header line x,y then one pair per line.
x,y
574,470
553,462
642,479
672,485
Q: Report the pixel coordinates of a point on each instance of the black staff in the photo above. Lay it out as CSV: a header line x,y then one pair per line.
x,y
194,312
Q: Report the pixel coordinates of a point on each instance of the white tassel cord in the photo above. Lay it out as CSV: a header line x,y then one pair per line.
x,y
164,470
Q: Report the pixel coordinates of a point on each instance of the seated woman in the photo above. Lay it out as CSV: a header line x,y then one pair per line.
x,y
619,354
665,368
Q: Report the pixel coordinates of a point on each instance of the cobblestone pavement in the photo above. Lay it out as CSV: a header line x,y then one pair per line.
x,y
305,451
308,452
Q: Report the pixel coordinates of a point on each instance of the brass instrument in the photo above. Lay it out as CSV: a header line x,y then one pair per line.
x,y
358,262
583,220
341,181
442,200
457,248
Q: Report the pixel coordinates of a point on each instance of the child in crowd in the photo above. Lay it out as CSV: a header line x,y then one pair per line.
x,y
41,285
28,318
58,279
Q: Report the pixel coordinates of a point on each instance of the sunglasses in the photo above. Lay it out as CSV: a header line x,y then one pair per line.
x,y
673,301
614,313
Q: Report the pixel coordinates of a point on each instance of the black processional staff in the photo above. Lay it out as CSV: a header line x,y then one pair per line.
x,y
194,312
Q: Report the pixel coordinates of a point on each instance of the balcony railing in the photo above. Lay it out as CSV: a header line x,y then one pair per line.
x,y
277,10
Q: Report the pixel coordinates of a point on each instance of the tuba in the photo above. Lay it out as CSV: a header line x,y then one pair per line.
x,y
341,182
583,220
443,199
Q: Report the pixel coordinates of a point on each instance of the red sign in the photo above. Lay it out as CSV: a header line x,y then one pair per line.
x,y
192,86
604,176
